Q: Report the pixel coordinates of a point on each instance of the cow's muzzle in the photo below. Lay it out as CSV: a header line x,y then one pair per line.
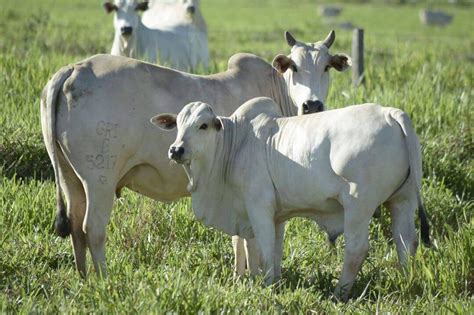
x,y
176,154
126,30
310,107
191,9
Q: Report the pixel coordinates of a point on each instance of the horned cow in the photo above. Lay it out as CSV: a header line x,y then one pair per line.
x,y
94,117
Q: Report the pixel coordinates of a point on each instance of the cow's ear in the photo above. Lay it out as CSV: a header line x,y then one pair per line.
x,y
218,124
109,7
281,63
164,121
142,6
340,62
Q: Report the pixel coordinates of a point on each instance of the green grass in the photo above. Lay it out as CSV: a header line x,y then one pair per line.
x,y
160,258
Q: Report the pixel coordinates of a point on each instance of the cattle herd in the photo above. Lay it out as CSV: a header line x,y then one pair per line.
x,y
247,163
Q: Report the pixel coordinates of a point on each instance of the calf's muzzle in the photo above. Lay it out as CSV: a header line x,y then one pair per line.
x,y
176,153
310,107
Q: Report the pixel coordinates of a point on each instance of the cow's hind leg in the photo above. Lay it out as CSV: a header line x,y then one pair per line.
x,y
402,212
76,209
356,236
252,252
100,199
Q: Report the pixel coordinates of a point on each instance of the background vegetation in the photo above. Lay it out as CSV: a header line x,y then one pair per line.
x,y
160,258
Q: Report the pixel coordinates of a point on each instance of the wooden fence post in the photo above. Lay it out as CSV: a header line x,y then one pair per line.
x,y
358,57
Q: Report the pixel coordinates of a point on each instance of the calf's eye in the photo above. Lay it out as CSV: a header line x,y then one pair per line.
x,y
203,127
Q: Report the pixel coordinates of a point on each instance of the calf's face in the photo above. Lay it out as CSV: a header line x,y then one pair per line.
x,y
126,18
197,127
306,71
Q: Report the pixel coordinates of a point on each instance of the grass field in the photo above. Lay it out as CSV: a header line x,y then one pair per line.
x,y
161,259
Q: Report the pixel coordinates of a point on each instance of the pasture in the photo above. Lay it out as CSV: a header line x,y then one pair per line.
x,y
160,259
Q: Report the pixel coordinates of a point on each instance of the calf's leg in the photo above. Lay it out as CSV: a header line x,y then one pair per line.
x,y
402,212
279,239
356,236
264,229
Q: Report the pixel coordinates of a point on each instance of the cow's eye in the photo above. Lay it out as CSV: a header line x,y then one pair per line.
x,y
203,127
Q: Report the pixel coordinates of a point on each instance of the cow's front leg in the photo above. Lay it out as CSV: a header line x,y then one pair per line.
x,y
253,256
264,229
239,256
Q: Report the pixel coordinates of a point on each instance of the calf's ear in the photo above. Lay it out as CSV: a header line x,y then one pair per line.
x,y
164,121
109,7
142,6
218,124
340,62
281,63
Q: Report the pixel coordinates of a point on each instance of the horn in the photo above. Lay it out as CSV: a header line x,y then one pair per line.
x,y
330,39
290,39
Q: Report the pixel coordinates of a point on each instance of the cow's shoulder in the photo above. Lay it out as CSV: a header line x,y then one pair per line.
x,y
245,61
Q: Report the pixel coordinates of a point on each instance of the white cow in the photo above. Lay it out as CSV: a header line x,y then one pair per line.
x,y
252,171
94,118
172,47
166,15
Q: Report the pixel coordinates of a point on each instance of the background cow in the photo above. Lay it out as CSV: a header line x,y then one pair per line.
x,y
167,15
174,46
254,170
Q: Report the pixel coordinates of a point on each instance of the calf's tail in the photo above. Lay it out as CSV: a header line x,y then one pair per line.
x,y
48,124
414,158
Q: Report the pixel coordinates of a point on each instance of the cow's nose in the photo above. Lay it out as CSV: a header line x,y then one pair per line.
x,y
310,107
191,9
126,30
176,153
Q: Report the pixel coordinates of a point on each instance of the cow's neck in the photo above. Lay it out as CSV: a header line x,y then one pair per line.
x,y
280,94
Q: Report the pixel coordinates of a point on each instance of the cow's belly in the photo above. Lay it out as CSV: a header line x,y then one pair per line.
x,y
156,184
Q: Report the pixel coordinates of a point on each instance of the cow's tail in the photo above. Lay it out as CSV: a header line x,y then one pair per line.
x,y
414,158
48,124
